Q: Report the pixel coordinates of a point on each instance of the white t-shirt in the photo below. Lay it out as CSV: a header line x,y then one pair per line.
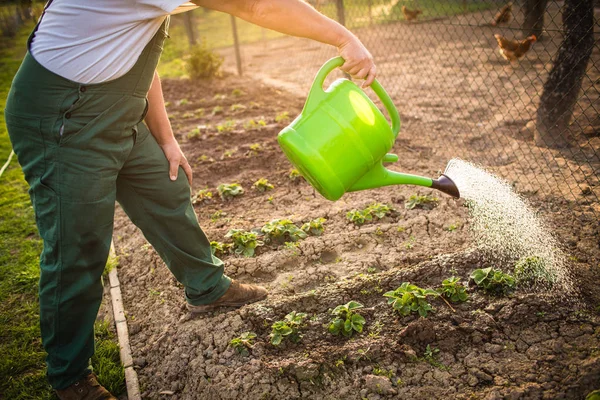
x,y
100,40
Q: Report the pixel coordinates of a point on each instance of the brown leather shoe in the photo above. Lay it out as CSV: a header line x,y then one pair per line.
x,y
237,295
86,388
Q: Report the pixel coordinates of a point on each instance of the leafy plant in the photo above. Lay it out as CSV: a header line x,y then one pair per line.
x,y
202,195
182,102
421,201
410,298
229,153
359,217
347,320
237,107
294,175
493,280
203,63
255,124
282,116
194,134
282,230
237,92
219,248
314,227
256,147
244,242
217,110
288,328
453,290
230,190
533,270
243,342
262,185
379,210
227,126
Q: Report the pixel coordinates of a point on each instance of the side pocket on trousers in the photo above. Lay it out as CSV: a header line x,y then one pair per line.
x,y
46,208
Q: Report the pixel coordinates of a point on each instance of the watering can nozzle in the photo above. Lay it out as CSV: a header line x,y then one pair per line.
x,y
446,185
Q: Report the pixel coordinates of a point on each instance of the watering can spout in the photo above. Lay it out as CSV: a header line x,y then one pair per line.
x,y
446,185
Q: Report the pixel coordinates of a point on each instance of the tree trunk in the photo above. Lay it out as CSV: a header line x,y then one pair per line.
x,y
534,17
341,12
188,22
564,82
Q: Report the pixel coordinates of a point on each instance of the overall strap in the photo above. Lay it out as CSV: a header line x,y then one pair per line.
x,y
37,25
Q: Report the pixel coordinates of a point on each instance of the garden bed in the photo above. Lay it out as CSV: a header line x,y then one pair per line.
x,y
522,346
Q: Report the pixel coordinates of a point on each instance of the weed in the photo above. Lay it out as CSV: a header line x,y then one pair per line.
x,y
203,63
410,243
410,298
154,292
255,124
282,116
532,270
227,126
256,147
431,353
540,314
262,185
229,153
347,320
371,270
217,214
453,290
375,329
453,227
288,328
382,372
237,92
237,107
182,102
401,229
217,110
418,201
230,190
293,246
219,96
314,227
279,230
243,342
339,363
244,242
294,175
202,195
364,292
493,280
219,248
194,134
379,232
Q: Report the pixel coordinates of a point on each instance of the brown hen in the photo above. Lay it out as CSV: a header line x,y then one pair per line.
x,y
503,15
409,14
512,50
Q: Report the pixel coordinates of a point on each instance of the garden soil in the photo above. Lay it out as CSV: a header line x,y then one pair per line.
x,y
524,346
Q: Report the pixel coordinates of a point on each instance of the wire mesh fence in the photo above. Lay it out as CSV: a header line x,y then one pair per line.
x,y
459,95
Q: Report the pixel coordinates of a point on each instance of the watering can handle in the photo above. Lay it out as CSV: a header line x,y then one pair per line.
x,y
317,94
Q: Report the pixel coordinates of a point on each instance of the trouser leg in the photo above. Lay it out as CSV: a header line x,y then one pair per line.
x,y
163,210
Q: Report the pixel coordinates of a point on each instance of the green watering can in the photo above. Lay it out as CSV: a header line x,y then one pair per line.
x,y
340,140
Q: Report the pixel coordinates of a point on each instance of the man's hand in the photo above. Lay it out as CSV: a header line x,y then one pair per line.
x,y
176,159
359,62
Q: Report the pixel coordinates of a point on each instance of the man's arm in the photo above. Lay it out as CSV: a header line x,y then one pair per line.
x,y
160,127
297,18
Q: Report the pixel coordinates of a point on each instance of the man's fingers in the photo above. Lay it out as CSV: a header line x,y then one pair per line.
x,y
173,169
188,171
362,74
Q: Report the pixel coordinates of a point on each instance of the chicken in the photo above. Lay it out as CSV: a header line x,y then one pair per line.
x,y
410,15
512,50
503,15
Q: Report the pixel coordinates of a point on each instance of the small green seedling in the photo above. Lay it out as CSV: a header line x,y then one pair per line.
x,y
418,201
217,214
411,298
379,210
533,270
182,102
219,96
359,217
294,175
255,124
237,92
314,227
282,116
230,190
202,195
453,290
227,126
383,372
237,107
244,242
279,230
288,328
243,342
453,227
229,153
219,248
493,281
217,110
194,134
262,185
347,319
256,147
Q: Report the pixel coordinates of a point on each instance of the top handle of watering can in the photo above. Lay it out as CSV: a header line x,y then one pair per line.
x,y
317,94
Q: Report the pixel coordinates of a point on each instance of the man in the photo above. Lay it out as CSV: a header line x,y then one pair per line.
x,y
87,120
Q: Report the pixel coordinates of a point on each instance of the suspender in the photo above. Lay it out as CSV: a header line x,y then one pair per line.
x,y
38,24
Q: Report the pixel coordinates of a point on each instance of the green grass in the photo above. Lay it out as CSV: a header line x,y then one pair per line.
x,y
22,368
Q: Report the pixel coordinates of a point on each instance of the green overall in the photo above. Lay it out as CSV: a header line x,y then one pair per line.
x,y
83,147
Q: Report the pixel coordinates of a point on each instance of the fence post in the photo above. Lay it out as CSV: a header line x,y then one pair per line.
x,y
188,22
341,12
236,45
